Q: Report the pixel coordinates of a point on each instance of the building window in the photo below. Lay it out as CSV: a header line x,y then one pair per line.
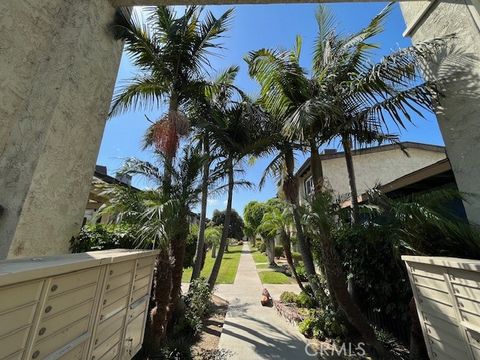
x,y
308,186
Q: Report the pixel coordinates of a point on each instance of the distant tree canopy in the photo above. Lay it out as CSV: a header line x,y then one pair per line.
x,y
235,229
253,214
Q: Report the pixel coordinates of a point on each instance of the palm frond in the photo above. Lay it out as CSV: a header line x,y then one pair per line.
x,y
143,92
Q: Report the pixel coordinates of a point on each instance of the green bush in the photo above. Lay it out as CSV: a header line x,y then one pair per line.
x,y
197,305
302,274
380,280
175,348
322,324
278,251
262,246
297,257
305,301
104,237
289,297
190,247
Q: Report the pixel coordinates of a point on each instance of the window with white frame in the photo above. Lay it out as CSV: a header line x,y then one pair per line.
x,y
308,186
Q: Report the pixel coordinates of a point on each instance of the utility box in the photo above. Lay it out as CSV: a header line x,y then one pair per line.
x,y
88,306
447,295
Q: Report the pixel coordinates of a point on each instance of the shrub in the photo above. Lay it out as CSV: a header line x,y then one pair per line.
x,y
297,257
289,297
197,305
278,251
104,237
190,247
321,324
175,348
301,272
262,246
305,301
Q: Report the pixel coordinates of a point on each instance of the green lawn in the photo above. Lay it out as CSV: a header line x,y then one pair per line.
x,y
259,258
270,276
263,266
228,269
274,277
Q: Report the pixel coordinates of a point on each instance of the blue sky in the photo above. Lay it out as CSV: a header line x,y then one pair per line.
x,y
254,27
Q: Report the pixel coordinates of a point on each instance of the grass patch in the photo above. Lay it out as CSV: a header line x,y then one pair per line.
x,y
228,269
259,258
274,277
263,266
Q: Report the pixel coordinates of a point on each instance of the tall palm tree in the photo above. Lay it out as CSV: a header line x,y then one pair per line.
x,y
287,92
303,102
237,131
366,95
201,110
313,107
162,221
172,54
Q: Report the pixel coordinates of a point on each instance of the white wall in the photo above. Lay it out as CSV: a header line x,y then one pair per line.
x,y
373,168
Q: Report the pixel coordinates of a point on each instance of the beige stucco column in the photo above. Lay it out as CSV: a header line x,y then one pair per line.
x,y
58,64
459,119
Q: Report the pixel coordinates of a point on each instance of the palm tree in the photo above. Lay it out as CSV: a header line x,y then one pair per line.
x,y
303,102
237,131
312,108
201,110
277,221
172,55
365,95
162,221
287,92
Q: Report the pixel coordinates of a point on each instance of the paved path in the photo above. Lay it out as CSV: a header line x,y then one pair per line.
x,y
252,331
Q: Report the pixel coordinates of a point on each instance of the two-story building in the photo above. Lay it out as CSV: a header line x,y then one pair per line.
x,y
375,165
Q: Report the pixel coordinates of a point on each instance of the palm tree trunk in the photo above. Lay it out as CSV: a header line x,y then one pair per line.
x,y
162,289
167,177
223,240
316,167
288,255
290,189
197,265
178,244
271,251
214,251
347,147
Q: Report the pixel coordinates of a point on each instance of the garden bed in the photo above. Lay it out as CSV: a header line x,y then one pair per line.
x,y
207,345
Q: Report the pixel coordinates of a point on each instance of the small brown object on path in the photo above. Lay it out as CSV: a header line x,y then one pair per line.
x,y
266,298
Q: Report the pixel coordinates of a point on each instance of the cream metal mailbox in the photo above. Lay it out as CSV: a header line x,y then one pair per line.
x,y
447,295
80,306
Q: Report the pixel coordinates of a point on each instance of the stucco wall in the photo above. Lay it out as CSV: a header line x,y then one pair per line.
x,y
57,69
373,168
459,113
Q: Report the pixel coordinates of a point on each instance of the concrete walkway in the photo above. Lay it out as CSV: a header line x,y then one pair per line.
x,y
252,331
